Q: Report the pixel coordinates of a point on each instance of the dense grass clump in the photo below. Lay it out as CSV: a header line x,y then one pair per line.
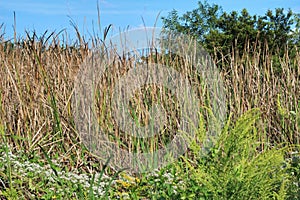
x,y
42,155
233,170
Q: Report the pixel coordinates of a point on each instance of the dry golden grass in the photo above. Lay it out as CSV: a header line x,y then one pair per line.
x,y
33,75
37,82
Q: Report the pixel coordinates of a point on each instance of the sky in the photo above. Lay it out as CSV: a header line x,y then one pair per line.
x,y
56,15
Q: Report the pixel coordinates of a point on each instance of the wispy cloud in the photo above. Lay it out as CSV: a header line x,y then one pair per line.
x,y
126,8
33,7
107,4
129,12
69,7
296,9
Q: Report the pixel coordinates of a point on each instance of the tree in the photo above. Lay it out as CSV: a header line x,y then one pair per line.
x,y
216,29
295,40
197,23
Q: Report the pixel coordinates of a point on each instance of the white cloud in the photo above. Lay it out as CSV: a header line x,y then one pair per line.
x,y
35,7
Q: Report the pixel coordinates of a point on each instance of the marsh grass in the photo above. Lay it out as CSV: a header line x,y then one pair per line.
x,y
252,159
234,169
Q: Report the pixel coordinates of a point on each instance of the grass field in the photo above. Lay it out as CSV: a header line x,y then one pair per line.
x,y
42,156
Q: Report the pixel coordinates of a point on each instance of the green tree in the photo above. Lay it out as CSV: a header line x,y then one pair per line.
x,y
277,27
221,32
296,30
198,22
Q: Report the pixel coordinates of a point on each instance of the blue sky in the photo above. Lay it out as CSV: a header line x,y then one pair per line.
x,y
55,15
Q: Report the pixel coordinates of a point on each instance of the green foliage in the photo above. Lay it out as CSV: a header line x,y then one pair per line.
x,y
227,32
235,169
239,166
24,178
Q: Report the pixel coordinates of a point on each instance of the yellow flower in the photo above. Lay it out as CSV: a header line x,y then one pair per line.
x,y
124,183
129,178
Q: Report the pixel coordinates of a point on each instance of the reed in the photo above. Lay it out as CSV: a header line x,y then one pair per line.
x,y
37,83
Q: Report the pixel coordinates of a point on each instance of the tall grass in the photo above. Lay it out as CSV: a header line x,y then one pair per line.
x,y
257,78
233,170
36,88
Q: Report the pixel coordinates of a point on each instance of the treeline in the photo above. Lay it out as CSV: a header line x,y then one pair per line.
x,y
221,32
